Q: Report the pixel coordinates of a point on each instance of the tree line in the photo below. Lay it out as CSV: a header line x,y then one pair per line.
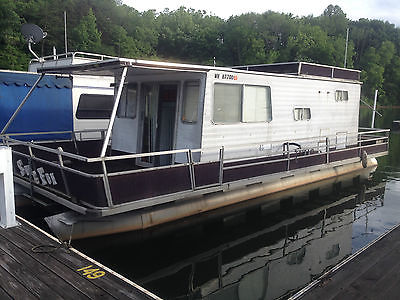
x,y
188,35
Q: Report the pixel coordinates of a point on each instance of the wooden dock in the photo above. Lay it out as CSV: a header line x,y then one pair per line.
x,y
373,273
33,265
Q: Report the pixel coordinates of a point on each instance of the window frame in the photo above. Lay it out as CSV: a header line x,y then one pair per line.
x,y
268,97
122,110
303,109
269,116
240,104
79,110
339,95
183,120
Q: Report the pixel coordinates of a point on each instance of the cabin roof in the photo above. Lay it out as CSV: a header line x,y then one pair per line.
x,y
304,68
111,67
14,78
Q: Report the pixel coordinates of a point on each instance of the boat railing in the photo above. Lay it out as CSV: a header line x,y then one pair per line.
x,y
319,144
367,136
73,55
325,149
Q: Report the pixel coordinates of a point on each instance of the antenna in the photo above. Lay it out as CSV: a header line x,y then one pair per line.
x,y
345,50
33,34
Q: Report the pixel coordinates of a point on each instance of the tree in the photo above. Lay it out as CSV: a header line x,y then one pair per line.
x,y
243,43
86,35
391,82
185,34
372,73
333,21
12,55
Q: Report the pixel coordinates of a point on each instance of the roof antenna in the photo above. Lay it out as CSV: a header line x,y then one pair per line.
x,y
33,34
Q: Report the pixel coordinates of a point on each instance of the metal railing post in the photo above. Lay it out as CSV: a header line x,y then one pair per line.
x,y
387,134
114,112
107,188
327,150
61,162
191,169
75,144
30,173
221,165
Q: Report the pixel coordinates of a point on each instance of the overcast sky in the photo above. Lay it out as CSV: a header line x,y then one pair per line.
x,y
386,10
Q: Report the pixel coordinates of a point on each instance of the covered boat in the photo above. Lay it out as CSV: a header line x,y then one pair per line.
x,y
184,139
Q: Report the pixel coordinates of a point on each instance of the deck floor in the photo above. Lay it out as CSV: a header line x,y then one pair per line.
x,y
53,271
373,274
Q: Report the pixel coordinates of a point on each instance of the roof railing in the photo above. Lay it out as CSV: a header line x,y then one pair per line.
x,y
73,55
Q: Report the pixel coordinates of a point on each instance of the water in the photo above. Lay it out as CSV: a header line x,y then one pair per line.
x,y
267,251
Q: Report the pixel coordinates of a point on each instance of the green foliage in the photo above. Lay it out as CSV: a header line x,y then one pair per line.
x,y
86,35
110,27
11,42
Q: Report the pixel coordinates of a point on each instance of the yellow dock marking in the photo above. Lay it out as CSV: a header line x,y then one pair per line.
x,y
91,273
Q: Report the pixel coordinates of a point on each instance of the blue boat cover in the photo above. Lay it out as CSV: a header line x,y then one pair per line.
x,y
49,108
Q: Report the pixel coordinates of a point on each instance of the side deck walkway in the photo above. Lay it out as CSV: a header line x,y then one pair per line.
x,y
33,265
373,273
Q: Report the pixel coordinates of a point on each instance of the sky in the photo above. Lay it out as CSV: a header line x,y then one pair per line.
x,y
386,10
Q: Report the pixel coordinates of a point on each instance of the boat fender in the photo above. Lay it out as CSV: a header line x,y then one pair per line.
x,y
364,159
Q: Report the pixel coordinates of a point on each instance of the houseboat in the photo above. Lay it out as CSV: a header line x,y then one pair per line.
x,y
185,139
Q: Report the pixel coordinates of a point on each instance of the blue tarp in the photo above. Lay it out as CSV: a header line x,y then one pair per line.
x,y
49,108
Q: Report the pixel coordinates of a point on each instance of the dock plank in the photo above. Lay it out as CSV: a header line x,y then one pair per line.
x,y
56,271
4,295
45,268
13,288
86,286
109,284
26,278
373,274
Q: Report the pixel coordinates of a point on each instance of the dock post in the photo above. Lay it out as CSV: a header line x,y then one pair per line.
x,y
7,205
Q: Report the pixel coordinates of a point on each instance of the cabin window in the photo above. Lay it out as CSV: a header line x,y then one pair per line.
x,y
227,103
303,113
257,104
93,106
190,101
128,102
341,95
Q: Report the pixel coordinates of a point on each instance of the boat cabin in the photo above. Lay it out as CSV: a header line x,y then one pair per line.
x,y
251,112
184,139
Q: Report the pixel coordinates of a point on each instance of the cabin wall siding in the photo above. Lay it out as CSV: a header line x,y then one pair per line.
x,y
99,85
328,116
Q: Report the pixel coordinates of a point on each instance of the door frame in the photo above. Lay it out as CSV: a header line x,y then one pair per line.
x,y
141,114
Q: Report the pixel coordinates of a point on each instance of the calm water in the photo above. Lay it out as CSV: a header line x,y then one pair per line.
x,y
266,251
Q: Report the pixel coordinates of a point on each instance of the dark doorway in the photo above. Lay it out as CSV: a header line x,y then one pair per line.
x,y
166,121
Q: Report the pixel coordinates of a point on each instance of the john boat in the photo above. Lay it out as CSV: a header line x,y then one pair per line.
x,y
186,139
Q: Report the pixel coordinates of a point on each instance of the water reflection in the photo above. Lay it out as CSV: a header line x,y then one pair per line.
x,y
266,251
275,260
